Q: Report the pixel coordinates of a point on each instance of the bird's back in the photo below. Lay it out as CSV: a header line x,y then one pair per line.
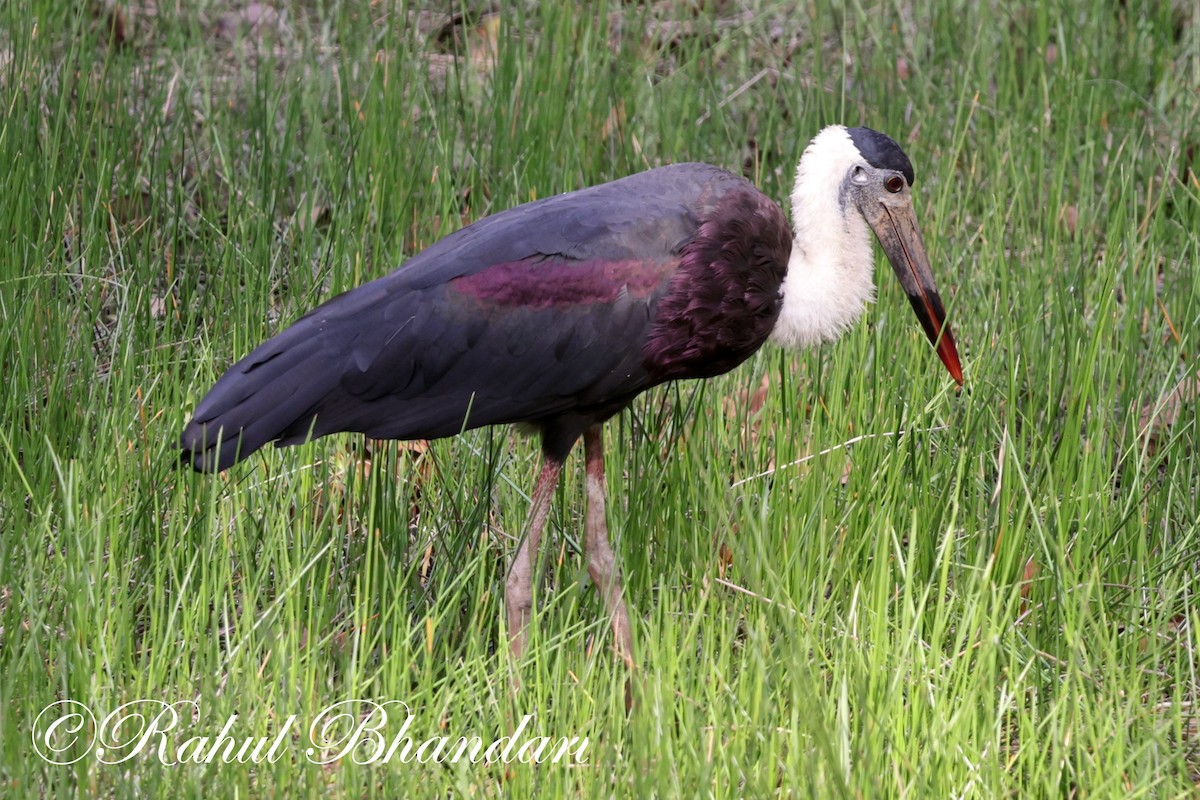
x,y
570,305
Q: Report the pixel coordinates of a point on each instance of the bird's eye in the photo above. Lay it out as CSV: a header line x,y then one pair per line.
x,y
894,184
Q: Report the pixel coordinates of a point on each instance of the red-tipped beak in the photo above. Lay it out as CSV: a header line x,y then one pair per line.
x,y
896,226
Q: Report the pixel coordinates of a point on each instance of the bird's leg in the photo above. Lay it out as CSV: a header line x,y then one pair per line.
x,y
518,588
601,562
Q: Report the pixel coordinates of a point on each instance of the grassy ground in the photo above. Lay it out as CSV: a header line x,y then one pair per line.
x,y
1000,602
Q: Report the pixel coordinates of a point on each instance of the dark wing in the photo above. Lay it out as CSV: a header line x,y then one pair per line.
x,y
538,311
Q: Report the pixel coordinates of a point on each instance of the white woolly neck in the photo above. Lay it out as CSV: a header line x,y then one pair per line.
x,y
829,277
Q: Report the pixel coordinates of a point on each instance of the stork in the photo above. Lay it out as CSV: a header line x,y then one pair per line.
x,y
557,313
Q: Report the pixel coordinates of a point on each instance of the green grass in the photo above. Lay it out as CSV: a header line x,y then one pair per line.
x,y
998,603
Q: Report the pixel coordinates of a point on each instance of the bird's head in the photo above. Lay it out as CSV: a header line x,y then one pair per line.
x,y
880,186
874,181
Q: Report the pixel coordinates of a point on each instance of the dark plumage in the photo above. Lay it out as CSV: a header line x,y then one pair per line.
x,y
457,338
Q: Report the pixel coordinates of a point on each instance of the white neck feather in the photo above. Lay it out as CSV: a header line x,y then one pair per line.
x,y
829,277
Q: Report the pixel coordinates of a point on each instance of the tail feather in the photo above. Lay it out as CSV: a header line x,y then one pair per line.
x,y
274,389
